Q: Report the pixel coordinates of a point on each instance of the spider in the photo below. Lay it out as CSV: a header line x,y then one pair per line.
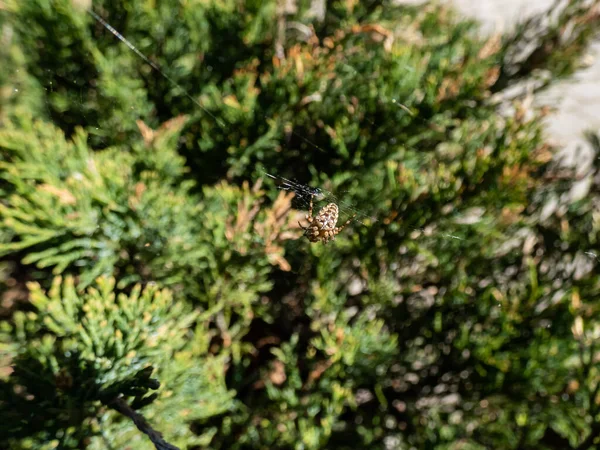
x,y
322,228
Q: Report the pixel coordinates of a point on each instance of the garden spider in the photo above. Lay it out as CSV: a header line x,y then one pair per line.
x,y
322,228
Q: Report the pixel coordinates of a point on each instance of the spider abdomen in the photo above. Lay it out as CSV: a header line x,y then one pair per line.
x,y
328,217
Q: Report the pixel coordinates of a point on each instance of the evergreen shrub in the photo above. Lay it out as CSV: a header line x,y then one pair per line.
x,y
153,280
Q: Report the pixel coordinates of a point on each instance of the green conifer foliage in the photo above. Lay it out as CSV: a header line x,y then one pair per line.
x,y
78,352
93,212
153,280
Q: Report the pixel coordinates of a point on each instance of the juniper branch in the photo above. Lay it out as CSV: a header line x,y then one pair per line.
x,y
120,405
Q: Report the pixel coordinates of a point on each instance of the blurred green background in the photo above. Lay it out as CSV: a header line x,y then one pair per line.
x,y
153,279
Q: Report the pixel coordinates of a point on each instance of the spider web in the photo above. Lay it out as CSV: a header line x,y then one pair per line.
x,y
303,192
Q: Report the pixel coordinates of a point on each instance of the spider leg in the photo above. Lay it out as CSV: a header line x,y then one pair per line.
x,y
339,229
310,208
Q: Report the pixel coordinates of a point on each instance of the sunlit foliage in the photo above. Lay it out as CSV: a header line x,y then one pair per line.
x,y
144,259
